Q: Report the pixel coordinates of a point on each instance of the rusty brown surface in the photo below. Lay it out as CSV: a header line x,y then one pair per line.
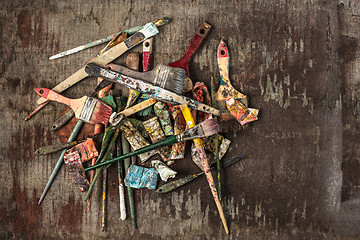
x,y
298,61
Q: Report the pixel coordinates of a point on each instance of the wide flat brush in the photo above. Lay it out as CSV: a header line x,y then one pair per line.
x,y
225,89
88,109
205,129
144,87
163,76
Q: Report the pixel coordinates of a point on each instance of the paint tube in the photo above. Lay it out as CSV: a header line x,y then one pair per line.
x,y
178,149
224,144
153,128
164,171
136,140
162,113
240,112
140,177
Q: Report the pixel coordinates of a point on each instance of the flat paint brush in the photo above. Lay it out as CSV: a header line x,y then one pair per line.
x,y
144,87
147,31
159,22
225,89
168,187
163,76
207,128
88,109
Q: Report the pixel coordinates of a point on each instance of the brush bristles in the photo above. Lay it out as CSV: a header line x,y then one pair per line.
x,y
210,127
101,113
170,78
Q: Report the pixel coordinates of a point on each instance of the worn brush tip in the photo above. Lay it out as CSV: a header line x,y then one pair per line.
x,y
101,113
92,69
210,127
170,78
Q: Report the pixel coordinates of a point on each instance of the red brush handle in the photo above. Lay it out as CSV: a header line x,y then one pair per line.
x,y
200,34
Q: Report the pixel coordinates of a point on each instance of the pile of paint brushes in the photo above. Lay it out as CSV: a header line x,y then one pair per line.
x,y
154,118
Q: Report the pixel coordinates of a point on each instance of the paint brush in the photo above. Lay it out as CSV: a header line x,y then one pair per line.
x,y
207,128
57,147
205,164
159,22
72,137
88,109
147,31
163,76
225,89
144,87
121,180
168,187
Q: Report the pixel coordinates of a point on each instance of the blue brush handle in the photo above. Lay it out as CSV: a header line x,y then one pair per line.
x,y
72,137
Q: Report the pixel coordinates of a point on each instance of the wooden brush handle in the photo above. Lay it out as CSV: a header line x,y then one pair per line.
x,y
108,56
200,34
147,76
53,96
223,59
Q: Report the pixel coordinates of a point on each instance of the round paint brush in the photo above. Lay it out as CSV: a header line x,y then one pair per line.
x,y
88,109
167,77
206,128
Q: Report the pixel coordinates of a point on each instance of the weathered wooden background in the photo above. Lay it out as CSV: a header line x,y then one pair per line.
x,y
298,61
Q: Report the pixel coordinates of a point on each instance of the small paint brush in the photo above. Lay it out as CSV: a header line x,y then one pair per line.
x,y
163,76
159,22
168,187
144,87
207,128
88,109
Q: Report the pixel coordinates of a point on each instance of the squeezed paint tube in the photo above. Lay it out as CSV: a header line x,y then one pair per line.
x,y
86,150
153,128
201,94
135,139
162,113
240,112
140,177
178,149
223,146
164,171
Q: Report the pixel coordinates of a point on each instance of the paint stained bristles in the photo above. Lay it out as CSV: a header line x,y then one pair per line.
x,y
210,127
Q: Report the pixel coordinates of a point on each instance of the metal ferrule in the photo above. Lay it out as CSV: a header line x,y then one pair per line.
x,y
191,133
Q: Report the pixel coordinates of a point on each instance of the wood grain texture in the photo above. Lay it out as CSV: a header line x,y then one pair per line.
x,y
297,61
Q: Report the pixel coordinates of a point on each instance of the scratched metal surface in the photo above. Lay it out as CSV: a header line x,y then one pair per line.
x,y
298,61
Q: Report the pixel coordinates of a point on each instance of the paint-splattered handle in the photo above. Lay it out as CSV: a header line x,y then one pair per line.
x,y
223,59
54,96
199,36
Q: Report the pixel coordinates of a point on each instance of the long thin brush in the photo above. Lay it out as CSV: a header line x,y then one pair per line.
x,y
121,179
144,87
72,137
159,22
205,165
163,76
88,109
206,128
168,187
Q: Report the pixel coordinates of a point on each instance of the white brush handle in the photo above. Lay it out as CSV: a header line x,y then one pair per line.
x,y
122,202
147,31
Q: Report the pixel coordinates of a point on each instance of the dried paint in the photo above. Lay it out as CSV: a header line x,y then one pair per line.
x,y
135,139
201,94
153,128
140,177
224,144
86,150
164,171
240,112
76,170
161,111
178,149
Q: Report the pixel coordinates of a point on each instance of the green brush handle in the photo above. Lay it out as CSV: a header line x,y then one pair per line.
x,y
166,142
